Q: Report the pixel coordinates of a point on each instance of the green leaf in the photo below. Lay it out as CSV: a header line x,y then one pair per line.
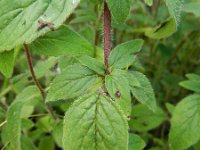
x,y
185,123
149,2
7,63
58,133
163,30
46,143
143,119
124,54
170,108
63,41
19,21
193,83
30,95
192,7
135,142
119,9
92,64
175,7
118,88
95,122
27,144
142,89
72,82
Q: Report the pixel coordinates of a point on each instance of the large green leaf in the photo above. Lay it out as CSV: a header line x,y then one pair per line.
x,y
62,41
119,89
95,122
124,54
119,9
175,7
143,119
135,142
19,20
72,82
185,123
30,95
142,89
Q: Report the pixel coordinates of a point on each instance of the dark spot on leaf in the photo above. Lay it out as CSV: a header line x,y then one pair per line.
x,y
144,124
117,94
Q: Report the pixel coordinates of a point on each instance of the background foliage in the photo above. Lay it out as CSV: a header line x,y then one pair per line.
x,y
170,58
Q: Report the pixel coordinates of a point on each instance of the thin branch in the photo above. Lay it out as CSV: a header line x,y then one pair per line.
x,y
30,65
107,35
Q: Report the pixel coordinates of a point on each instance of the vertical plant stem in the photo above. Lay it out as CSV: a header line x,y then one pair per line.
x,y
107,35
30,65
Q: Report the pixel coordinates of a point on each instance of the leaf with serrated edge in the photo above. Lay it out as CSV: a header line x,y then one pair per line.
x,y
19,19
95,122
92,64
175,7
185,123
124,54
142,90
119,89
72,82
119,9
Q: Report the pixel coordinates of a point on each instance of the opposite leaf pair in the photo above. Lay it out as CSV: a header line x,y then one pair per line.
x,y
98,119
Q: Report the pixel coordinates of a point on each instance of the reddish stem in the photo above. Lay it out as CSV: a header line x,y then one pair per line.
x,y
30,65
107,35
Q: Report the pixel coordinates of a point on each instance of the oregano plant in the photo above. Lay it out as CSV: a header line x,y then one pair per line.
x,y
98,75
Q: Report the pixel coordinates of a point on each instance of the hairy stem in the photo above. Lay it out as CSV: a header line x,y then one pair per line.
x,y
30,65
107,35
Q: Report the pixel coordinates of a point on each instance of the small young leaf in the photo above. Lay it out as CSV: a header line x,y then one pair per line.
x,y
185,123
123,55
143,119
72,82
92,64
193,83
135,142
164,30
119,9
142,89
7,63
119,89
95,122
63,41
25,20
